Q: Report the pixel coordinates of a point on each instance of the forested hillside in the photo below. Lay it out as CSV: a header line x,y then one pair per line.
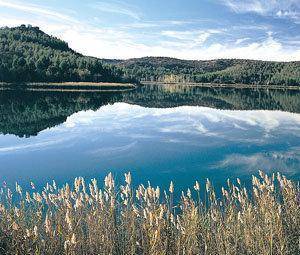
x,y
212,71
27,54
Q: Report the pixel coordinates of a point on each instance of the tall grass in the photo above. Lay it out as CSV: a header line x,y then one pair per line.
x,y
120,220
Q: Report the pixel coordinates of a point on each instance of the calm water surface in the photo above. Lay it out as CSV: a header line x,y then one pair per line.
x,y
158,133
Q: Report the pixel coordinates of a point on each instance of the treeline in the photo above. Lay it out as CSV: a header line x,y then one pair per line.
x,y
230,71
27,54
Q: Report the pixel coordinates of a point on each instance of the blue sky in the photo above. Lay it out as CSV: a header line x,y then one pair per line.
x,y
187,29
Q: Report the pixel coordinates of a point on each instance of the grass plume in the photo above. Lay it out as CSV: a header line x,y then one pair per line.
x,y
84,219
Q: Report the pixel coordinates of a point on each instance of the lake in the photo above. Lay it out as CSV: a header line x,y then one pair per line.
x,y
159,133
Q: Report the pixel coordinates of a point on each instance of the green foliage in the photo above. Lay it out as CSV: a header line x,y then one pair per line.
x,y
28,55
230,71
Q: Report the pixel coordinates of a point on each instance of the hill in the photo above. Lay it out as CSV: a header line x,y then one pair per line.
x,y
231,71
27,54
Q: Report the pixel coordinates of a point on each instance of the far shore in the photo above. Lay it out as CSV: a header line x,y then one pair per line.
x,y
71,86
115,86
222,85
79,90
97,84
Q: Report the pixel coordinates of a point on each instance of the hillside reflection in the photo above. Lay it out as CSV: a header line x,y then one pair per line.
x,y
26,113
156,144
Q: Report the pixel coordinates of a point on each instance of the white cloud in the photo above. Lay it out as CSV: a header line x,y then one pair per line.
x,y
241,40
117,7
277,8
33,146
109,43
160,23
246,6
267,49
142,25
187,39
193,123
38,10
195,38
106,151
286,161
294,15
195,117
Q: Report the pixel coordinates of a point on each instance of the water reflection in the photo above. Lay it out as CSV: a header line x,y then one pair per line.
x,y
26,113
158,144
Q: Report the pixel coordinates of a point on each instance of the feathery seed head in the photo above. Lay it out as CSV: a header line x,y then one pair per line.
x,y
197,186
171,188
73,239
47,224
18,189
109,182
32,185
128,178
189,194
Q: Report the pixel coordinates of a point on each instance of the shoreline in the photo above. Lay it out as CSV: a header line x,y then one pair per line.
x,y
221,85
70,83
70,86
73,90
82,84
116,86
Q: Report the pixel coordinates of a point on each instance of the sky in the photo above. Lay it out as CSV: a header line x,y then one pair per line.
x,y
186,29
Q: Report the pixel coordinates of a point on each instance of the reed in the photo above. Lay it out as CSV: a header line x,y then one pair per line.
x,y
84,219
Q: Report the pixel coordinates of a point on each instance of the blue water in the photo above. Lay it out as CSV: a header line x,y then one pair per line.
x,y
183,144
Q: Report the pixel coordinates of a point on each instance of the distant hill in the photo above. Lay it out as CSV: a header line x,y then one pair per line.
x,y
27,54
211,71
